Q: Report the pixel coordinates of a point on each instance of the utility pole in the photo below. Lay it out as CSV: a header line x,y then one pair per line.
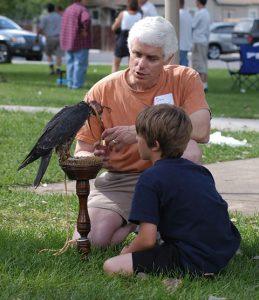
x,y
172,8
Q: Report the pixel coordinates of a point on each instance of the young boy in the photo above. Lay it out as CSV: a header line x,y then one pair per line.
x,y
177,198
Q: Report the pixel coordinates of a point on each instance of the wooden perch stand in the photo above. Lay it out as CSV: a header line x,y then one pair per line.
x,y
82,170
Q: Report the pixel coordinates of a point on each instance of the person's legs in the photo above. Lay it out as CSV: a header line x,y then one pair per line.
x,y
121,233
80,68
70,67
58,63
184,58
51,65
104,223
119,264
159,259
116,64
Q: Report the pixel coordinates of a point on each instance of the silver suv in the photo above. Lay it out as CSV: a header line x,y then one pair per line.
x,y
220,41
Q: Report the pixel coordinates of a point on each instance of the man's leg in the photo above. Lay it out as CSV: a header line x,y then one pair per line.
x,y
116,64
184,58
104,223
119,264
81,64
70,67
121,233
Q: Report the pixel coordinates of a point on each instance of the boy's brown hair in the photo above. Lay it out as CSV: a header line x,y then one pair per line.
x,y
167,124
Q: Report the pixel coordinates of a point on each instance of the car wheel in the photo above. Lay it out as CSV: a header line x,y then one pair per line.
x,y
5,55
214,51
37,57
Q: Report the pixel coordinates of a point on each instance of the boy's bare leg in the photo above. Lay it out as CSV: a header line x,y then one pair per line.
x,y
122,264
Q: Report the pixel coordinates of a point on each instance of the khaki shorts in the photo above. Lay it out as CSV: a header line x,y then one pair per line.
x,y
52,46
114,191
200,58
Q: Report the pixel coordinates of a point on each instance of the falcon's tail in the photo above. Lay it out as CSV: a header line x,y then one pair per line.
x,y
42,169
29,159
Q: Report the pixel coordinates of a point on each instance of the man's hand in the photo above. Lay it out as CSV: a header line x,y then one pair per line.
x,y
120,136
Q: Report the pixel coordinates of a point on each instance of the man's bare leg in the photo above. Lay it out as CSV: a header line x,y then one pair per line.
x,y
116,64
104,223
121,233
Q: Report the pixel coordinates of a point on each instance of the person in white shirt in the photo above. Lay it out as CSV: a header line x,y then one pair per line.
x,y
200,36
124,21
185,34
148,8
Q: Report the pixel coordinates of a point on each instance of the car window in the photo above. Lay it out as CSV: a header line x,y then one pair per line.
x,y
244,26
223,29
256,25
8,24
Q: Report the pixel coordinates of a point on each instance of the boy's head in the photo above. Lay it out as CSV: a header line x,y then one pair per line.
x,y
165,128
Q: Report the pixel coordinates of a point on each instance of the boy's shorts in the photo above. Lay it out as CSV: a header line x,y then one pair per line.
x,y
160,259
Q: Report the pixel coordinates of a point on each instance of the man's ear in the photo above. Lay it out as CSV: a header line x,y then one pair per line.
x,y
169,60
156,147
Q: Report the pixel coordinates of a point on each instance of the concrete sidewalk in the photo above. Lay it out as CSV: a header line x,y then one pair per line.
x,y
216,123
237,182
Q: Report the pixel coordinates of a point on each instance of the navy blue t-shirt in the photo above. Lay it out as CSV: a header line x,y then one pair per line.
x,y
181,199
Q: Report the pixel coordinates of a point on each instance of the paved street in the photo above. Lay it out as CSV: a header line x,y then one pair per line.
x,y
106,57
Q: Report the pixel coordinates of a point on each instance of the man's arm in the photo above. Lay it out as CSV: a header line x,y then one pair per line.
x,y
145,239
201,126
83,149
200,134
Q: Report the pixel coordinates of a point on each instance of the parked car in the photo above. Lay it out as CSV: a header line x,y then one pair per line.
x,y
220,40
16,41
246,32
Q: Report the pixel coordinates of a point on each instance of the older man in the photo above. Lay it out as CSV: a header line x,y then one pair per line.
x,y
149,80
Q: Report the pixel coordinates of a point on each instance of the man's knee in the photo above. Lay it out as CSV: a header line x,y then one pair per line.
x,y
103,225
100,238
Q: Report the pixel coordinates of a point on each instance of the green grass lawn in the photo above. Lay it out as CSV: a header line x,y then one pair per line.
x,y
31,85
31,222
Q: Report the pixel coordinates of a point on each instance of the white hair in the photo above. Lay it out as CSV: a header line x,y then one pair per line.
x,y
155,31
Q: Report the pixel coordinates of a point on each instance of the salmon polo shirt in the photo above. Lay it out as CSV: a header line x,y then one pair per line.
x,y
177,85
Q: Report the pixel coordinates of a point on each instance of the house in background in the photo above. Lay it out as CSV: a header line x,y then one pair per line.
x,y
104,12
228,10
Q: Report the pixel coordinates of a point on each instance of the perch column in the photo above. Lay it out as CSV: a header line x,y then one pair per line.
x,y
83,221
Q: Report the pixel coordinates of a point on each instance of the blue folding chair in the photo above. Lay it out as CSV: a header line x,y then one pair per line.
x,y
247,76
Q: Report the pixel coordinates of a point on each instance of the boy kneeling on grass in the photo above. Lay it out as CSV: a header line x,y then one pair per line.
x,y
177,198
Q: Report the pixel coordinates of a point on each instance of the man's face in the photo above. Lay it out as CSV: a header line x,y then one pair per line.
x,y
143,149
145,63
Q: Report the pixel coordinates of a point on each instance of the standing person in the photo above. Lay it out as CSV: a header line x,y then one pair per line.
x,y
124,21
75,39
148,81
200,37
185,34
186,209
148,8
50,26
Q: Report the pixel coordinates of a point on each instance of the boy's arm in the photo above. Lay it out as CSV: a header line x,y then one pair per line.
x,y
145,239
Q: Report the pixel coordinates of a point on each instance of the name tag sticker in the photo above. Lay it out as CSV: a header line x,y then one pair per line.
x,y
164,99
